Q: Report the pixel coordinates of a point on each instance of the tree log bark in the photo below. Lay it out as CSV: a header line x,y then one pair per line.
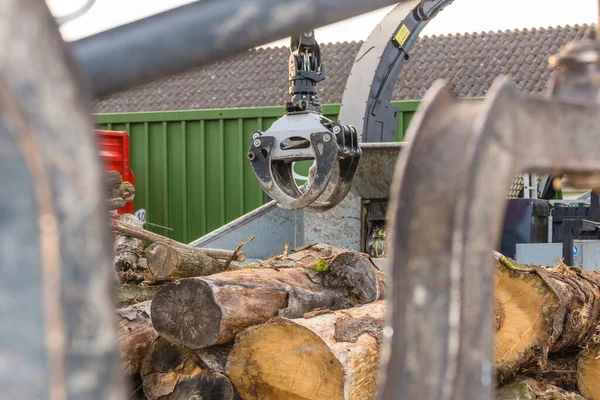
x,y
588,369
113,181
140,233
170,372
115,203
128,250
331,356
560,370
128,294
136,334
168,262
531,389
214,358
203,312
541,310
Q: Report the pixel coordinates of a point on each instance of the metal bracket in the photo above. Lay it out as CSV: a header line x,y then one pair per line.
x,y
572,229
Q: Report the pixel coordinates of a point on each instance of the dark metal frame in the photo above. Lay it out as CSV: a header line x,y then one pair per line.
x,y
367,100
573,229
446,219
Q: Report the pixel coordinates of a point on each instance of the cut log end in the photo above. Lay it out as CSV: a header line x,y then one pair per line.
x,y
185,312
282,360
525,309
588,372
170,372
162,260
331,356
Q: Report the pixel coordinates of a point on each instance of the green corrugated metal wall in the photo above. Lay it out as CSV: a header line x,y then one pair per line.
x,y
191,170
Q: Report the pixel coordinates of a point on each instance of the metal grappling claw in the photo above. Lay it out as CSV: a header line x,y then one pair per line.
x,y
302,134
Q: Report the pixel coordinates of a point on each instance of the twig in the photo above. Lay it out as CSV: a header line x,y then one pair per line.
x,y
159,226
140,233
237,249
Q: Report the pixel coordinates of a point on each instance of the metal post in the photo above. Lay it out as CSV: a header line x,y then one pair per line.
x,y
526,186
595,206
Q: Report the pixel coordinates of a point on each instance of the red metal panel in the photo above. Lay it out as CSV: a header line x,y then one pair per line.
x,y
114,150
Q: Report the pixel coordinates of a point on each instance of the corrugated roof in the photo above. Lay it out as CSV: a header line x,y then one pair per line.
x,y
258,78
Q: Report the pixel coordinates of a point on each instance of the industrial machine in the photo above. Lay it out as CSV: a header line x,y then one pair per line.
x,y
344,202
541,232
303,134
55,261
349,182
443,216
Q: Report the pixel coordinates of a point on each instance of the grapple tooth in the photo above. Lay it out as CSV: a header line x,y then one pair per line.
x,y
347,166
276,177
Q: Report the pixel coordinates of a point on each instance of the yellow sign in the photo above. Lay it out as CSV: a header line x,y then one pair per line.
x,y
402,35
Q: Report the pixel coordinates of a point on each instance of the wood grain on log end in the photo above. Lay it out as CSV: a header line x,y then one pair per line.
x,y
588,371
162,260
525,309
170,372
185,312
330,356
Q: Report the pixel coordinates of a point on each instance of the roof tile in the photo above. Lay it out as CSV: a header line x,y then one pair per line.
x,y
258,78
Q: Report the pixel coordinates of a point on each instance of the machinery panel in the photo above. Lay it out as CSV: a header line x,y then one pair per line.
x,y
586,254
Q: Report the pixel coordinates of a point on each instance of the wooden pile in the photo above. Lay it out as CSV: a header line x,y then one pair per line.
x,y
199,324
308,325
182,342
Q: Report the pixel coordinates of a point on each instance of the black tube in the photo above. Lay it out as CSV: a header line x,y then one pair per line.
x,y
199,33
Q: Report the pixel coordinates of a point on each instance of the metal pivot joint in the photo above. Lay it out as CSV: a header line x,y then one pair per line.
x,y
305,71
304,134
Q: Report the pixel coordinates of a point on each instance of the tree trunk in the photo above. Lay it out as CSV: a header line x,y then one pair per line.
x,y
168,262
330,356
203,312
140,233
128,250
170,372
136,334
128,294
588,370
530,389
541,310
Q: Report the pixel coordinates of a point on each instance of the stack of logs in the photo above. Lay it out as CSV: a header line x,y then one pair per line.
x,y
238,333
199,324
